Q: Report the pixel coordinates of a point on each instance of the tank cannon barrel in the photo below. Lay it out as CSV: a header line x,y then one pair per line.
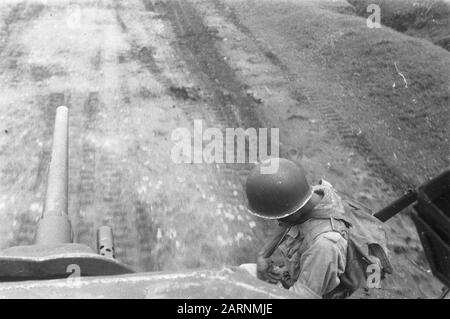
x,y
54,225
54,255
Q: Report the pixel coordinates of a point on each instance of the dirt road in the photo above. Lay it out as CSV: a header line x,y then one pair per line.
x,y
131,73
127,84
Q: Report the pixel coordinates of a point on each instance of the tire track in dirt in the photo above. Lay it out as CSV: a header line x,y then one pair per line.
x,y
152,253
149,6
156,247
144,54
114,215
122,24
100,191
359,142
133,228
129,218
12,18
228,107
198,44
24,13
10,56
356,140
115,196
146,235
96,61
24,234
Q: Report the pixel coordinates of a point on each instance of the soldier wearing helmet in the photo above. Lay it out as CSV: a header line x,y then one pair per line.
x,y
313,239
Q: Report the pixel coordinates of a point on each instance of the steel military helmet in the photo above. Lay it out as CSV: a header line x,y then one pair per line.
x,y
279,194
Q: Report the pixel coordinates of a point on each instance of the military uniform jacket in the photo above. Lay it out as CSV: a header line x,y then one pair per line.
x,y
331,248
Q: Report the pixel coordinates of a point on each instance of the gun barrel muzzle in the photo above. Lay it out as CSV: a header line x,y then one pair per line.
x,y
105,242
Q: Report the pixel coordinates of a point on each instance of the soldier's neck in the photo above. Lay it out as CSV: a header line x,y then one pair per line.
x,y
303,214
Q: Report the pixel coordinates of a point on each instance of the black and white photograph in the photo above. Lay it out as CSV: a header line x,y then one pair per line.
x,y
226,155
